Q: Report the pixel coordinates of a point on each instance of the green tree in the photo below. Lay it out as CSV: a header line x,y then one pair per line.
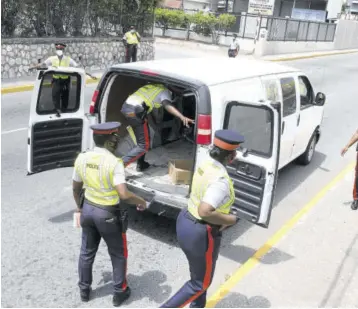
x,y
169,18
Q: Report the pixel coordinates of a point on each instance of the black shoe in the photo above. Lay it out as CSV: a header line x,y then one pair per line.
x,y
85,295
120,297
354,205
142,166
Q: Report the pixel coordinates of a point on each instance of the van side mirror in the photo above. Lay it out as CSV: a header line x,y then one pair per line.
x,y
320,99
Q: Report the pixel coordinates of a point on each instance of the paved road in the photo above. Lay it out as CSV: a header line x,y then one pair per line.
x,y
40,248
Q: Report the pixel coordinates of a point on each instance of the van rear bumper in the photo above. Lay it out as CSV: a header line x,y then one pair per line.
x,y
162,204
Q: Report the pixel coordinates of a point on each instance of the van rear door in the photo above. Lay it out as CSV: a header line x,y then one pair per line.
x,y
55,141
254,172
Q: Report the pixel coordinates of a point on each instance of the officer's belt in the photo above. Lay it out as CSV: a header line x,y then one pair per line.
x,y
192,218
113,209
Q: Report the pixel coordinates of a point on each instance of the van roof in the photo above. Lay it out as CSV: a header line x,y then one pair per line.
x,y
210,71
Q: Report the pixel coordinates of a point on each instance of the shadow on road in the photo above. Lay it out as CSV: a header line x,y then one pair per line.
x,y
150,285
237,300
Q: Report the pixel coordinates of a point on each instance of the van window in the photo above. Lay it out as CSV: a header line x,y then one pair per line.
x,y
67,91
254,123
306,92
288,96
271,90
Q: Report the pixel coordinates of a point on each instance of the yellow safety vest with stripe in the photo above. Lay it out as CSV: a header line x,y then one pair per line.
x,y
96,171
131,37
148,94
206,174
65,62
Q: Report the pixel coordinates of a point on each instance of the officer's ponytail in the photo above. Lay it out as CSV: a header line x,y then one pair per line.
x,y
220,155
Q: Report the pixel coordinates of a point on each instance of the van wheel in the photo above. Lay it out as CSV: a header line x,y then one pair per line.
x,y
307,156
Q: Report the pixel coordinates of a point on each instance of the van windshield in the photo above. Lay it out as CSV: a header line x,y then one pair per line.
x,y
254,123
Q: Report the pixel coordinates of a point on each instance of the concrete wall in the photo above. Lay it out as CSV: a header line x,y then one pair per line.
x,y
96,53
346,37
346,34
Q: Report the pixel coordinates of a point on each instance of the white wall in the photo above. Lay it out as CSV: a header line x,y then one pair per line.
x,y
346,34
346,37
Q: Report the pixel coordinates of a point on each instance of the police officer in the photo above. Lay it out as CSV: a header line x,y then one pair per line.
x,y
131,40
60,82
352,141
199,226
234,47
136,108
102,176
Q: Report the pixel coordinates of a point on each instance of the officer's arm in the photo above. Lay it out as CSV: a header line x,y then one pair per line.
x,y
119,183
172,110
128,196
77,187
351,142
124,40
215,195
209,214
47,63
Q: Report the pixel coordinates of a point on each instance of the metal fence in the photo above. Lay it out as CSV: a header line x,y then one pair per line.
x,y
284,29
279,29
81,18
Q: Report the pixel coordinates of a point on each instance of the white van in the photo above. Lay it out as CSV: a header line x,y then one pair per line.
x,y
273,106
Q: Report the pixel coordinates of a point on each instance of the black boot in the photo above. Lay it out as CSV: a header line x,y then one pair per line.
x,y
85,295
354,205
120,297
141,164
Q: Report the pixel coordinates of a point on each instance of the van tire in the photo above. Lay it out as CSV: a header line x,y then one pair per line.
x,y
307,156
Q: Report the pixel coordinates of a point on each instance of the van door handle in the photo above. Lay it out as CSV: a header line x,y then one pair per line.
x,y
283,127
298,120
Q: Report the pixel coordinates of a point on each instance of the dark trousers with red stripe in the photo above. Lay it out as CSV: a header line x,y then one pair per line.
x,y
355,185
98,223
141,132
201,244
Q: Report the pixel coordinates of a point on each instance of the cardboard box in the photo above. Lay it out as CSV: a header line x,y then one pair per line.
x,y
180,171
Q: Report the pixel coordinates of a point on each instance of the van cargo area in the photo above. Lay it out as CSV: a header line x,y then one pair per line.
x,y
169,139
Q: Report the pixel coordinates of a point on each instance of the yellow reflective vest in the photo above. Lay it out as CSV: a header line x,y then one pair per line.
x,y
65,62
96,171
148,95
206,174
132,38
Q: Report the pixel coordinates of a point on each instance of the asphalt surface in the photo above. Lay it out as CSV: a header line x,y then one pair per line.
x,y
40,247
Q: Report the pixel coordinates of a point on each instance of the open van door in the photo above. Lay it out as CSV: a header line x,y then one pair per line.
x,y
254,171
54,141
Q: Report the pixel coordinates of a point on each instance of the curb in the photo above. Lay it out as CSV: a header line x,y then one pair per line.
x,y
311,56
22,88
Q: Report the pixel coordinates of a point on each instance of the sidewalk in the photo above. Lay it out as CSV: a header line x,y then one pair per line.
x,y
322,270
26,83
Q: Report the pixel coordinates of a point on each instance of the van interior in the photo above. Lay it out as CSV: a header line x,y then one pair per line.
x,y
169,138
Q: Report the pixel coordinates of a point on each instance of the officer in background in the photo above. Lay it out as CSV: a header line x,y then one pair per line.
x,y
102,176
136,109
199,227
60,82
131,40
234,47
352,141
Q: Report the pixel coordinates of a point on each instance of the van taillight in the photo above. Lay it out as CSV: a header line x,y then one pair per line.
x,y
204,130
93,103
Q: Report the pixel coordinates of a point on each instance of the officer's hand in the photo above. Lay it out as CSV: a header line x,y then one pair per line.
x,y
343,151
186,121
141,207
94,77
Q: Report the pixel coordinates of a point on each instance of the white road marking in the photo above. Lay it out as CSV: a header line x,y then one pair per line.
x,y
13,131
